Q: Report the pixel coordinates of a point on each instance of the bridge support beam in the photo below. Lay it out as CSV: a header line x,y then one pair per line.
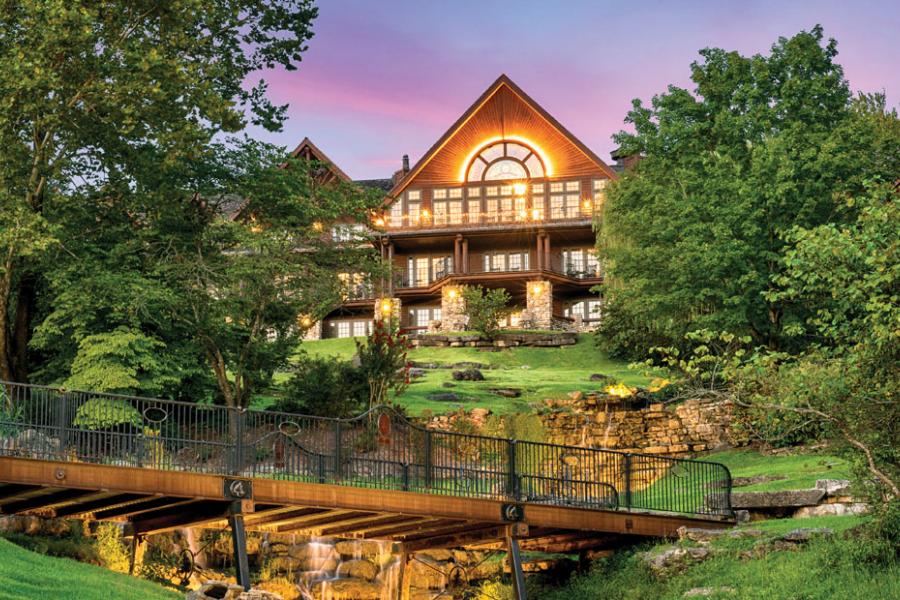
x,y
515,563
239,543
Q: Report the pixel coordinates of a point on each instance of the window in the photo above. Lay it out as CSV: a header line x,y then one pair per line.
x,y
474,211
455,193
491,210
454,212
564,207
347,232
498,262
414,212
439,194
343,329
359,328
506,261
440,213
505,169
414,195
505,160
581,262
591,263
396,217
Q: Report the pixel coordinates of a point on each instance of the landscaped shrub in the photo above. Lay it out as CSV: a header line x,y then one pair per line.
x,y
326,387
486,308
104,413
111,548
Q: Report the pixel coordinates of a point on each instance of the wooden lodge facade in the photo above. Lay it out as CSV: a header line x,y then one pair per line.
x,y
505,198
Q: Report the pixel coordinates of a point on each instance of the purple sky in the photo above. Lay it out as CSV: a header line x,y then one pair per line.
x,y
387,78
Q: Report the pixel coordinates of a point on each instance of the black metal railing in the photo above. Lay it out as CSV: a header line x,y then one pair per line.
x,y
379,449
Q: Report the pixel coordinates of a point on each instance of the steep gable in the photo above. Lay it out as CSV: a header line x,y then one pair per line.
x,y
306,149
503,112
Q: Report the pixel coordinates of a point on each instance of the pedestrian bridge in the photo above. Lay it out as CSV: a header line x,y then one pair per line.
x,y
160,464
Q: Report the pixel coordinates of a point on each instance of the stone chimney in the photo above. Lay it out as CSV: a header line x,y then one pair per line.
x,y
625,161
404,169
405,164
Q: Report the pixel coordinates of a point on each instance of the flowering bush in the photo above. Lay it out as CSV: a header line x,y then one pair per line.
x,y
382,358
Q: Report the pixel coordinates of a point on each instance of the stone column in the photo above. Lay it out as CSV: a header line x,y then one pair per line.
x,y
453,309
539,300
313,330
388,308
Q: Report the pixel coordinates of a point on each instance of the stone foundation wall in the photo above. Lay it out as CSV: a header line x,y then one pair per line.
x,y
502,340
539,304
675,430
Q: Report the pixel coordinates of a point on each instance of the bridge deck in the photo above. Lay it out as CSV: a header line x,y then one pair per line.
x,y
156,500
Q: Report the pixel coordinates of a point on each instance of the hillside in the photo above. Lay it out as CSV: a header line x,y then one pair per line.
x,y
538,373
28,575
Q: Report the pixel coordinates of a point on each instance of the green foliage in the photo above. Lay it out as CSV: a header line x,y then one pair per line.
x,y
486,308
121,361
382,360
111,549
327,387
693,237
516,426
105,413
143,90
709,359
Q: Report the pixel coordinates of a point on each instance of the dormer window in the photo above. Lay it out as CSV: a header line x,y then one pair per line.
x,y
503,161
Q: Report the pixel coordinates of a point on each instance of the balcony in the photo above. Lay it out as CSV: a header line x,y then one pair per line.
x,y
484,221
402,278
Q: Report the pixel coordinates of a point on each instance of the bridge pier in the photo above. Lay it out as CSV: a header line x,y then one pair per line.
x,y
239,543
515,563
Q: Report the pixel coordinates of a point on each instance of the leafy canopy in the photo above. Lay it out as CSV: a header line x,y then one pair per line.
x,y
694,236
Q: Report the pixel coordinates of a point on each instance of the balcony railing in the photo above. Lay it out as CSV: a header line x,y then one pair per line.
x,y
506,218
403,279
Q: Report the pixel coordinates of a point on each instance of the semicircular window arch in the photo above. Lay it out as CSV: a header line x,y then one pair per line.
x,y
505,160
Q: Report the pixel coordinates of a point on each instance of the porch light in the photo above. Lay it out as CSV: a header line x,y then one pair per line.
x,y
452,293
379,222
535,214
306,322
317,225
586,203
386,306
536,288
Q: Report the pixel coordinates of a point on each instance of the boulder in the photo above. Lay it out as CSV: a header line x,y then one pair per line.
x,y
674,560
506,392
468,364
470,374
601,377
836,509
353,589
416,372
703,592
834,487
704,536
805,534
355,549
443,396
358,569
575,396
782,499
745,481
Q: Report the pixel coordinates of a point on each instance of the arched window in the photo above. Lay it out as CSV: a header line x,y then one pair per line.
x,y
505,160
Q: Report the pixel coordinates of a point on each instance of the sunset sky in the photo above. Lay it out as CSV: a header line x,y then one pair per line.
x,y
387,78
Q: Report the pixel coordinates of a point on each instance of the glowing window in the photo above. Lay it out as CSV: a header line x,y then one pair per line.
x,y
505,160
440,193
505,169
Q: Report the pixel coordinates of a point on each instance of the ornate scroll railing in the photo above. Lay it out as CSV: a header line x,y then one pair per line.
x,y
380,449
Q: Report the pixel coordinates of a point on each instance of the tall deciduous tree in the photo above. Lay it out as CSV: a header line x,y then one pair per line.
x,y
694,235
100,99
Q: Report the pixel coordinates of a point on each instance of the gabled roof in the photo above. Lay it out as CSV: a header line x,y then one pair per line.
x,y
497,113
309,150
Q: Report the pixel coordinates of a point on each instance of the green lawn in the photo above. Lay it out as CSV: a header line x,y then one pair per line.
x,y
539,372
824,570
28,575
801,470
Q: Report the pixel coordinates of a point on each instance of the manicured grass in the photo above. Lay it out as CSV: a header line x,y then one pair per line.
x,y
800,469
822,570
539,373
27,575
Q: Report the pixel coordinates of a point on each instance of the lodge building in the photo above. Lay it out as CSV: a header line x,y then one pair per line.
x,y
505,198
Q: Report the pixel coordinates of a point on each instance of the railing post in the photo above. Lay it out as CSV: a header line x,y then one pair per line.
x,y
337,450
429,474
512,481
405,476
628,481
237,418
62,424
321,468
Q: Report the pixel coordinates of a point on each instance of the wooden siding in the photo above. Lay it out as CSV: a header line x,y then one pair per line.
x,y
504,112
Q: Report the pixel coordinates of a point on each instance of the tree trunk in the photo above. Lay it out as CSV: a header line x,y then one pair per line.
x,y
6,368
26,303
